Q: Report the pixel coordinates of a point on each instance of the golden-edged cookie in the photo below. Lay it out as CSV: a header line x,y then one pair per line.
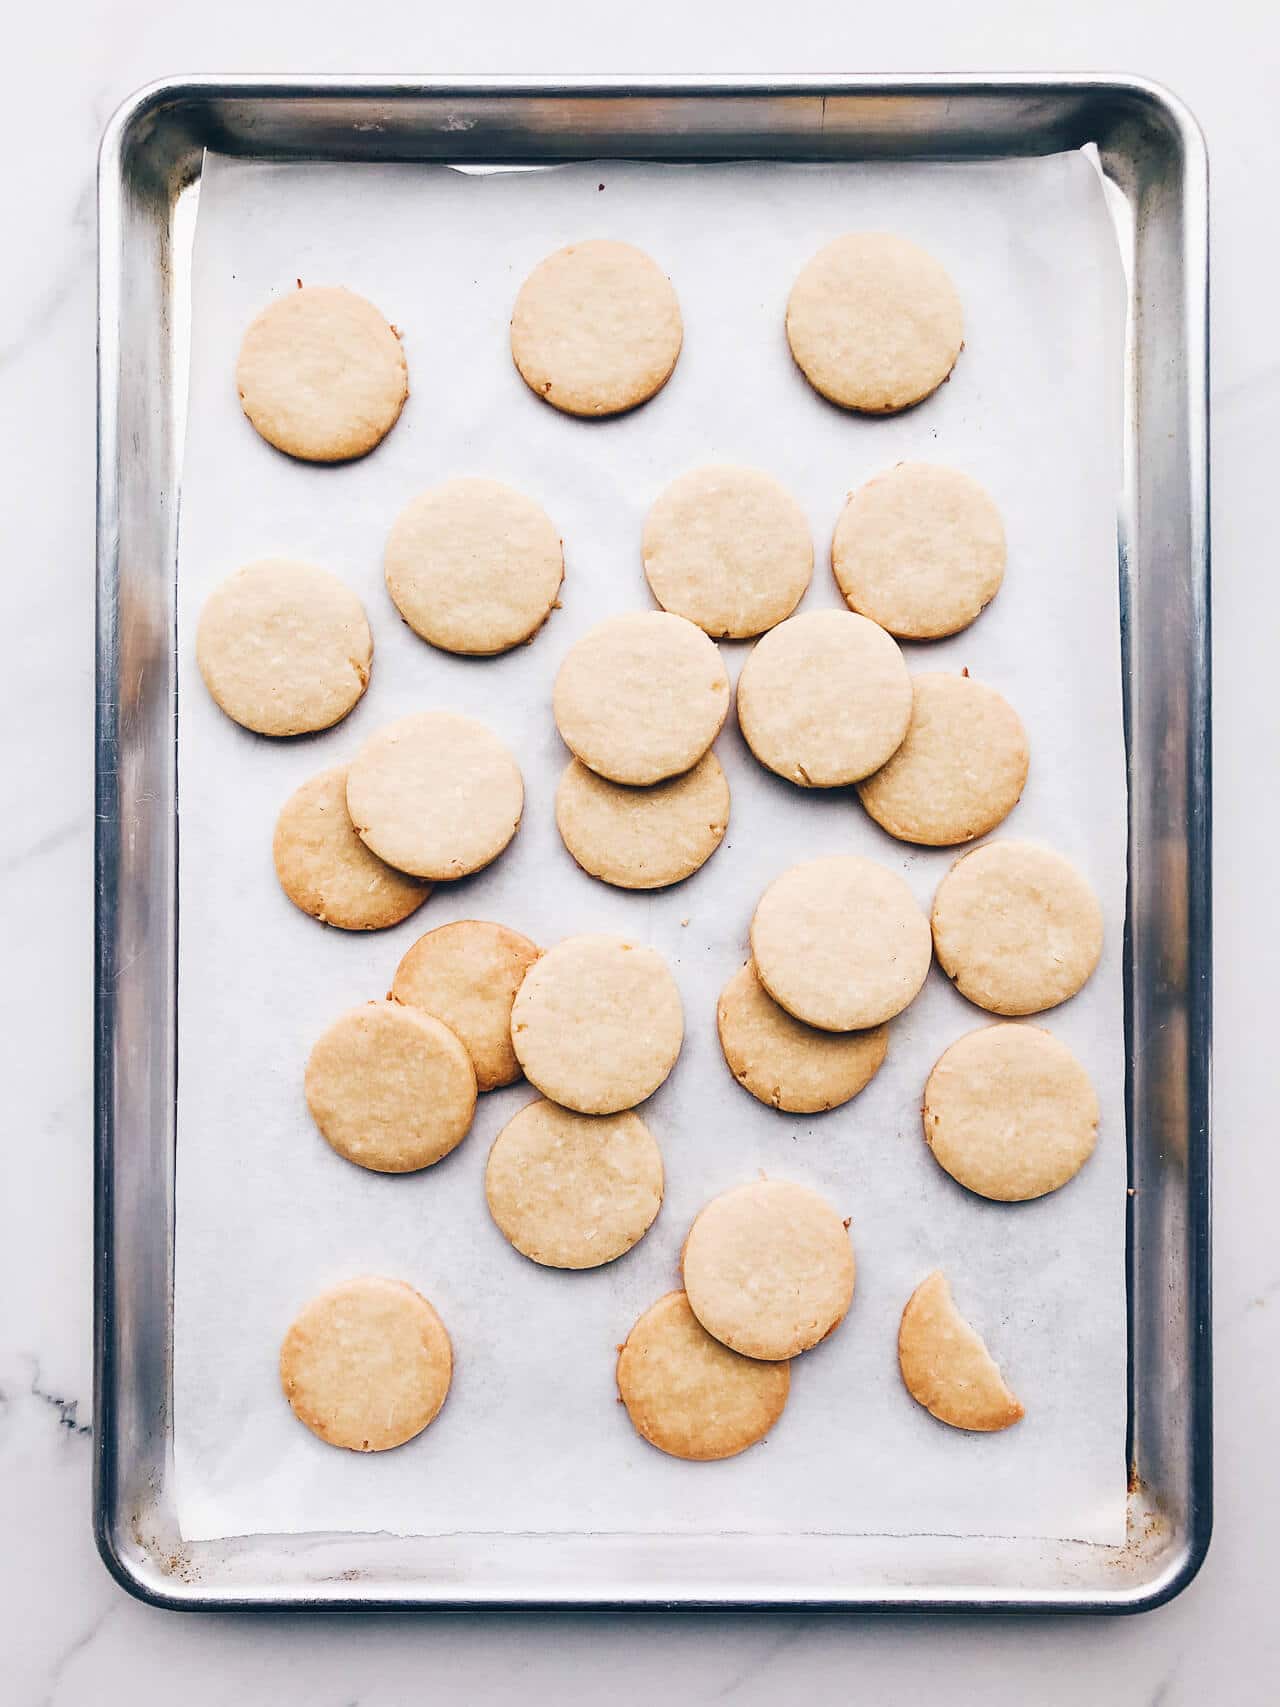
x,y
597,1023
436,794
1010,1113
689,1395
960,769
840,943
789,1065
326,870
367,1364
728,548
824,698
467,975
596,328
1016,927
321,374
874,322
391,1088
284,647
920,550
474,566
641,697
643,838
573,1190
768,1268
946,1367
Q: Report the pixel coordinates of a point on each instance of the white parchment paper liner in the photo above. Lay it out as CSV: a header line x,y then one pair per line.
x,y
532,1438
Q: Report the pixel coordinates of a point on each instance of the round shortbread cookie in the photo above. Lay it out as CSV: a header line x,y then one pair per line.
x,y
768,1268
840,943
961,767
1010,1113
326,870
824,699
1016,927
284,647
467,975
596,328
573,1190
391,1088
689,1395
473,566
874,322
436,794
728,548
946,1367
597,1023
643,838
321,374
788,1065
920,550
367,1364
641,697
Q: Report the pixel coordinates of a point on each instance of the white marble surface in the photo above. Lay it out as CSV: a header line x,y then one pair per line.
x,y
67,1634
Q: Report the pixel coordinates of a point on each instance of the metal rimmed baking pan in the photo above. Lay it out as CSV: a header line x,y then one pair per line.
x,y
1153,159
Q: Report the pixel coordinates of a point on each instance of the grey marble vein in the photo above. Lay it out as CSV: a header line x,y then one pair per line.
x,y
751,1670
74,273
77,1647
71,829
67,1410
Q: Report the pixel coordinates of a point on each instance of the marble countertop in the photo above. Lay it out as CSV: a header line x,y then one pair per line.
x,y
67,1633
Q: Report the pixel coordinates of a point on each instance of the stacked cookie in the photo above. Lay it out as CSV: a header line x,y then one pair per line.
x,y
638,702
768,1272
392,1085
839,947
429,798
576,1180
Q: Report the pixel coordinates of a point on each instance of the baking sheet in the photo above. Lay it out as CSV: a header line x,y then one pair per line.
x,y
532,1438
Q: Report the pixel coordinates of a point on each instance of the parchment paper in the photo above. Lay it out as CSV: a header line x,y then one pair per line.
x,y
532,1438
